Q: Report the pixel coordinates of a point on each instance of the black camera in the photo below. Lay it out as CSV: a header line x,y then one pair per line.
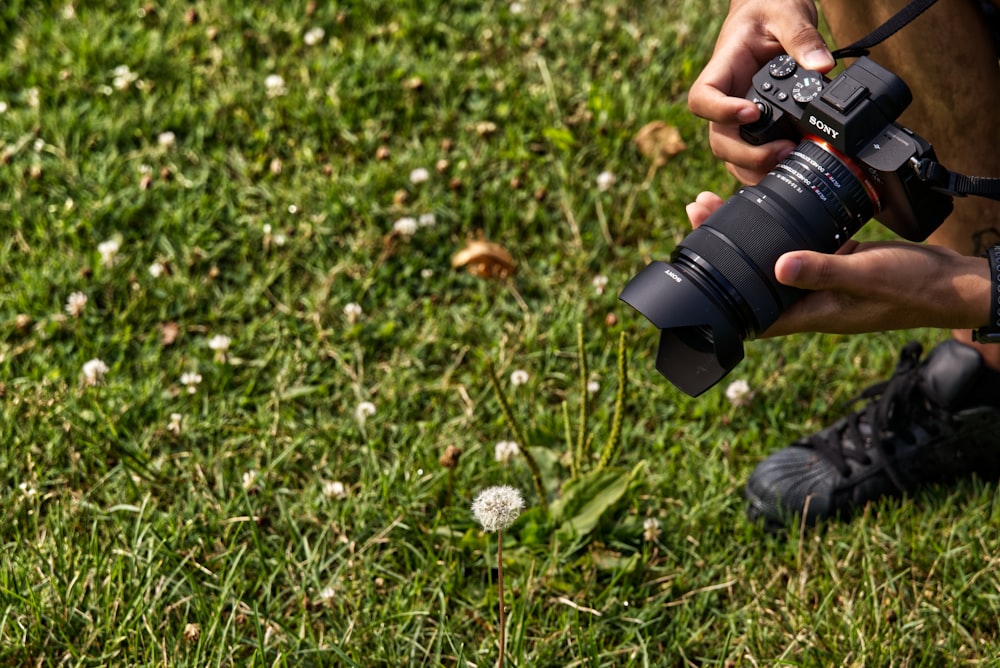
x,y
853,163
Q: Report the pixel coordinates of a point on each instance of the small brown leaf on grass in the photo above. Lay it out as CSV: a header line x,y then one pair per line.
x,y
168,333
485,259
659,142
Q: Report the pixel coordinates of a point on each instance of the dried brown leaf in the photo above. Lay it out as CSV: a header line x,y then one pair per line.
x,y
659,142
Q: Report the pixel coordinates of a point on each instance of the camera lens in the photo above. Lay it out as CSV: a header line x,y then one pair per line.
x,y
719,288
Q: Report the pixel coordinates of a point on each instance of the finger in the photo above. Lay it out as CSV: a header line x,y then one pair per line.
x,y
749,163
704,206
802,41
718,92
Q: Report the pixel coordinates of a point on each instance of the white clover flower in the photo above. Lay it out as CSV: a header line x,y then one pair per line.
x,y
650,529
156,269
123,77
27,489
75,304
516,8
593,386
605,180
364,411
93,371
314,36
219,343
496,508
739,393
249,479
426,273
274,84
504,451
327,594
600,282
518,377
353,312
166,139
108,249
334,489
174,427
405,227
191,379
419,175
426,220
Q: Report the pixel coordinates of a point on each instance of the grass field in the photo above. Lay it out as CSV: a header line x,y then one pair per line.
x,y
246,213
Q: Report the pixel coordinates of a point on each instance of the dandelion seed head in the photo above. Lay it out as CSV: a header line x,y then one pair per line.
x,y
274,84
419,175
593,386
364,410
496,508
93,371
405,227
426,220
156,269
518,377
327,594
739,394
605,180
166,139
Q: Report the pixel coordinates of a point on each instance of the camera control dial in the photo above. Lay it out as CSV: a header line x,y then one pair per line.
x,y
782,66
807,88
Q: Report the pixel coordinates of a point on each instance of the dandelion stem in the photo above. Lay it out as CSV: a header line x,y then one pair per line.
x,y
503,631
614,438
515,427
582,426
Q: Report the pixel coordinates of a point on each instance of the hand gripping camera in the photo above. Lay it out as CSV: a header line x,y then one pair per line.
x,y
853,163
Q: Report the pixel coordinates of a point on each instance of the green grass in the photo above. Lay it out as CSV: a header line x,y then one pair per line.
x,y
127,542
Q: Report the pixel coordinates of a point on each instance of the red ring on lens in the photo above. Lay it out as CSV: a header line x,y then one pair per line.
x,y
849,163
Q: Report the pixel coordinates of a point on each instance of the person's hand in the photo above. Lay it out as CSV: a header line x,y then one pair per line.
x,y
754,32
875,286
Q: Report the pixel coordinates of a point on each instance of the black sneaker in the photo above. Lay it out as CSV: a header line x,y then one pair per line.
x,y
920,427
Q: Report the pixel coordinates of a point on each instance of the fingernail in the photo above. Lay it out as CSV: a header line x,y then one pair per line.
x,y
791,269
817,59
747,115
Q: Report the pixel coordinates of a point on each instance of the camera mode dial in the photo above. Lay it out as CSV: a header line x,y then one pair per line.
x,y
807,88
781,67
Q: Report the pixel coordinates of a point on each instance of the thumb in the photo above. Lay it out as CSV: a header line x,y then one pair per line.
x,y
803,42
809,270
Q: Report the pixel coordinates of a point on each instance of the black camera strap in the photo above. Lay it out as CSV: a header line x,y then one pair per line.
x,y
939,177
884,31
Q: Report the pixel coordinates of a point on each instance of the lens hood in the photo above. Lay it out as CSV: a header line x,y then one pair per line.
x,y
699,344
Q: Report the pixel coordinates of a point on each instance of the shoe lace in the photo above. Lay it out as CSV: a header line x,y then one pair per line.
x,y
890,401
